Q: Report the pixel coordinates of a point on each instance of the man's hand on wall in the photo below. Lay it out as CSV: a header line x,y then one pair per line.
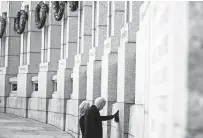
x,y
116,116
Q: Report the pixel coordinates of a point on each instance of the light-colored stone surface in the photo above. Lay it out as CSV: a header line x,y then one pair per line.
x,y
126,73
108,84
164,68
45,84
17,127
64,83
11,51
56,112
107,110
80,68
98,36
115,20
66,63
37,109
120,129
51,36
93,80
72,118
136,121
57,105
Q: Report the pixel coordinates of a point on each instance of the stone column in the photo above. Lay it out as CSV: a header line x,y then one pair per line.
x,y
50,54
80,67
126,70
110,59
170,90
99,33
57,105
29,59
137,111
10,50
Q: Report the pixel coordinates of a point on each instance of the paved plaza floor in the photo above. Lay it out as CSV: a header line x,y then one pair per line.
x,y
12,126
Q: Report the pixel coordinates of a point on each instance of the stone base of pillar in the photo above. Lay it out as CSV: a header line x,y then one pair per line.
x,y
136,122
120,130
37,109
56,113
11,105
3,104
72,118
4,88
21,106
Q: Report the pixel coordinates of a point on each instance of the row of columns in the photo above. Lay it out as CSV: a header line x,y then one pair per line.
x,y
10,51
127,52
90,53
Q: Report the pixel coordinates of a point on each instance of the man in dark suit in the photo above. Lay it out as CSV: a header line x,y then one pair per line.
x,y
93,120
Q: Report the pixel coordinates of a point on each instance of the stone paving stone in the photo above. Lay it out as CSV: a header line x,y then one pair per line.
x,y
17,127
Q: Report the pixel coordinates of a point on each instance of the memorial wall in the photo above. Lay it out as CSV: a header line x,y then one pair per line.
x,y
144,58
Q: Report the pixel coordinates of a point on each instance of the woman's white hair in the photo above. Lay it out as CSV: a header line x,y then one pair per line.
x,y
83,107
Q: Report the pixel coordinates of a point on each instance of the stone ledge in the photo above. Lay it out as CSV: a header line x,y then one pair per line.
x,y
13,93
54,78
13,80
34,79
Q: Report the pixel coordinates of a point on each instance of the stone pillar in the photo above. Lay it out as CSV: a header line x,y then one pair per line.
x,y
57,105
126,70
191,103
29,60
110,59
10,50
168,87
50,54
137,111
80,67
99,33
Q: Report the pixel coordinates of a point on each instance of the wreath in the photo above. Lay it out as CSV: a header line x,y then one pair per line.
x,y
20,21
73,5
2,25
44,9
58,8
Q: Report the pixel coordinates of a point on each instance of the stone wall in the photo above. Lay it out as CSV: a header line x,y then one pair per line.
x,y
144,58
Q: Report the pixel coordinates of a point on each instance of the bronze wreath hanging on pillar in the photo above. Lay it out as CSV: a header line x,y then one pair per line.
x,y
3,24
73,5
44,9
20,21
58,8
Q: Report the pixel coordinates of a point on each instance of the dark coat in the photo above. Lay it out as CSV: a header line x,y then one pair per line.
x,y
82,125
93,123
